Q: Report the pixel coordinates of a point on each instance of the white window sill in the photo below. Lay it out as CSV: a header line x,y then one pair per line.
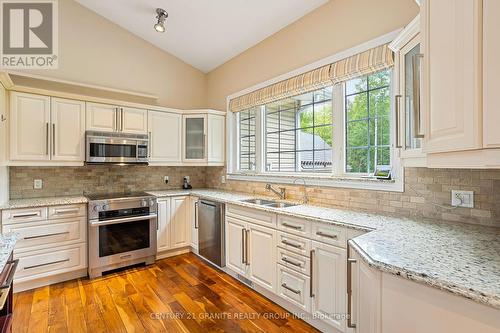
x,y
394,185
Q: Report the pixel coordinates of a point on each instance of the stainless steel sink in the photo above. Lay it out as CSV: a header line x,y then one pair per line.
x,y
269,203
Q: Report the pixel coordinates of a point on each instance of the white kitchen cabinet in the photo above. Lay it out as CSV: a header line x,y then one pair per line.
x,y
29,127
113,118
4,121
452,74
174,225
194,222
194,131
165,138
68,130
262,256
216,139
102,117
134,121
235,246
180,228
163,239
409,129
491,73
328,275
366,296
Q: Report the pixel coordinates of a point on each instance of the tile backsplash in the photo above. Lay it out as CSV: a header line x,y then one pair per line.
x,y
427,191
59,181
427,194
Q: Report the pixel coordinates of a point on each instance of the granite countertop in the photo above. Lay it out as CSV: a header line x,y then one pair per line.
x,y
41,202
7,243
459,258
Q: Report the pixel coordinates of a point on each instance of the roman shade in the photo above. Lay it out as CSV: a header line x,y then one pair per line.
x,y
364,63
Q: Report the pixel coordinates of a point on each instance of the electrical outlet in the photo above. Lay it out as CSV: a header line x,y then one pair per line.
x,y
223,179
462,198
37,184
187,178
165,179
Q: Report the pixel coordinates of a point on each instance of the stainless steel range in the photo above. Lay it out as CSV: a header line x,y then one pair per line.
x,y
121,230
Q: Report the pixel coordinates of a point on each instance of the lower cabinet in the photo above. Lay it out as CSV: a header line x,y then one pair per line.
x,y
250,252
174,227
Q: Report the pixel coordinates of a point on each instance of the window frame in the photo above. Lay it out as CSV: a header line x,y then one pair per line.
x,y
338,177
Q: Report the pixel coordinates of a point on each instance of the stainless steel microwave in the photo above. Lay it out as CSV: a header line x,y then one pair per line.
x,y
117,148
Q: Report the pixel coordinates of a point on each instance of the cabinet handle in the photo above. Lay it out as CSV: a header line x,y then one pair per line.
x,y
243,246
46,264
8,281
322,234
297,246
350,261
121,119
295,227
15,216
3,118
46,138
247,246
66,211
53,139
150,140
416,96
196,215
116,120
311,275
47,235
397,101
295,291
296,264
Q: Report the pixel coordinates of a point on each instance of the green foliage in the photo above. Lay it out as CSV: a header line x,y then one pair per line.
x,y
322,116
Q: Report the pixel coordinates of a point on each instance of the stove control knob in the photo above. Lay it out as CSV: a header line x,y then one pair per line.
x,y
144,203
97,208
105,207
151,202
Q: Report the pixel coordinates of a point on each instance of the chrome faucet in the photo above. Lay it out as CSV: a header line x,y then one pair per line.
x,y
281,193
305,199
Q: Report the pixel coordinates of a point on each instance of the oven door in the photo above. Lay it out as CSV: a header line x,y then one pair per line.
x,y
114,150
119,240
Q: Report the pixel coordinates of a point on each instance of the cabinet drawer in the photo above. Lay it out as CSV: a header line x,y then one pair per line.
x,y
42,263
12,216
294,261
294,225
41,234
330,234
294,287
294,243
65,211
252,215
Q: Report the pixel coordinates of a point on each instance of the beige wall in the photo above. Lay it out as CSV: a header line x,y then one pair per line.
x,y
333,27
94,50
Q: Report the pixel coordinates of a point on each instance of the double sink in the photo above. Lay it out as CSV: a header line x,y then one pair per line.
x,y
269,203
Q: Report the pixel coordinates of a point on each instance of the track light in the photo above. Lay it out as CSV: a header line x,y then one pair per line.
x,y
161,16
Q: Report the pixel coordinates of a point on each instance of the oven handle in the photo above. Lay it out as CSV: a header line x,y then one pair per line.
x,y
97,223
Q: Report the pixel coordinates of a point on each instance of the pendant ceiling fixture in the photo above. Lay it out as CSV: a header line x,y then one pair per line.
x,y
161,16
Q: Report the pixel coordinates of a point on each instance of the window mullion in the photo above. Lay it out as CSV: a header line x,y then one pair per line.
x,y
338,128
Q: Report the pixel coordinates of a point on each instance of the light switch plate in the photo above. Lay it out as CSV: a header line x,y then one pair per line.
x,y
166,179
462,198
37,184
223,179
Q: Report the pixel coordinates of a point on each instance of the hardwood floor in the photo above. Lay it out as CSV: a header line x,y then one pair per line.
x,y
178,294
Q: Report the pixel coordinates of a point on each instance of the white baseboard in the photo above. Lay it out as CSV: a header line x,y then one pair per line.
x,y
173,252
48,280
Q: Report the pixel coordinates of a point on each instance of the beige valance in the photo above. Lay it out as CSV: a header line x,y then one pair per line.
x,y
370,61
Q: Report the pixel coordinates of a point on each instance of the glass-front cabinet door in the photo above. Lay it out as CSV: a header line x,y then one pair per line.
x,y
195,138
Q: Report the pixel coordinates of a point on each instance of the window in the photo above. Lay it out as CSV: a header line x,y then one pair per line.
x,y
342,130
299,133
247,120
367,107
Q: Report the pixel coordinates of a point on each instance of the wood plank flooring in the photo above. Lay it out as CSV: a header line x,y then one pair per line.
x,y
178,294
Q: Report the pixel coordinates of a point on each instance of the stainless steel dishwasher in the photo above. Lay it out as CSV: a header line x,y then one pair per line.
x,y
211,232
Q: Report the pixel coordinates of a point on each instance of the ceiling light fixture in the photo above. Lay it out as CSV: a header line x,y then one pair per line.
x,y
161,16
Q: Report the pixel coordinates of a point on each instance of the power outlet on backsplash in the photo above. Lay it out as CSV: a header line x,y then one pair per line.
x,y
37,184
165,179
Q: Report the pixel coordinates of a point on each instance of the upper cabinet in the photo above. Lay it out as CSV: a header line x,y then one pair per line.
x,y
112,118
165,131
491,73
203,138
452,74
408,97
46,129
